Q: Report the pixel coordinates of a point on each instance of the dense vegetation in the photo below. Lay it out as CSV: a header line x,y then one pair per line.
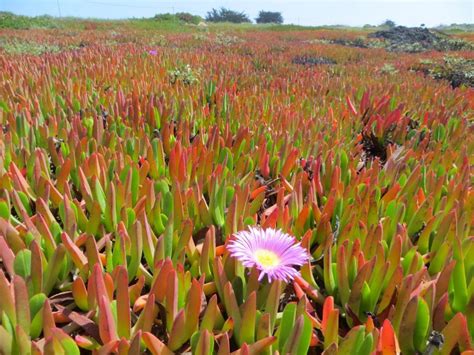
x,y
129,157
269,17
227,15
183,17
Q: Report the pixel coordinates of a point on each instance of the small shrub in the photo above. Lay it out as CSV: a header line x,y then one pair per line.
x,y
200,37
359,42
311,60
225,40
318,41
185,74
158,41
388,69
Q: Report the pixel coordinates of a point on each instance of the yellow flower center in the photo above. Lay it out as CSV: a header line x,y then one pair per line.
x,y
267,258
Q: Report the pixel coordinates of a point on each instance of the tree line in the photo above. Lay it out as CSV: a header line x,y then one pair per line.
x,y
226,15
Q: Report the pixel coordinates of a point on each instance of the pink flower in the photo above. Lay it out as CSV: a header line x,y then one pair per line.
x,y
153,52
271,251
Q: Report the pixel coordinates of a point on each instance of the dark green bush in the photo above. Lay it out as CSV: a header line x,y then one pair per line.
x,y
226,15
389,24
269,17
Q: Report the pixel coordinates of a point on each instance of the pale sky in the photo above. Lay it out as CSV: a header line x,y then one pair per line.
x,y
304,12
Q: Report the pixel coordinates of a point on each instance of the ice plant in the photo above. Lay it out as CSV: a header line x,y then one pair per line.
x,y
273,252
134,165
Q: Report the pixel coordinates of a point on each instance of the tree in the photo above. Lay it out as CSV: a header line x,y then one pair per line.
x,y
226,15
389,24
269,17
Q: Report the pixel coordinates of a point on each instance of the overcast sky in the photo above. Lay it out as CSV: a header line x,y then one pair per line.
x,y
304,12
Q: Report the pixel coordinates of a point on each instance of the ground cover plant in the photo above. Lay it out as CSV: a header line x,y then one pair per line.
x,y
457,70
405,39
231,190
